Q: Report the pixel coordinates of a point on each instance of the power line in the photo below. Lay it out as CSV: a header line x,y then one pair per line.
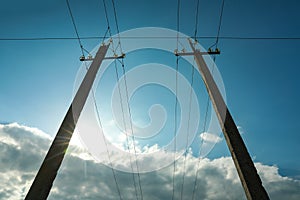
x,y
127,98
94,99
106,146
196,21
188,130
175,127
115,14
203,132
207,104
220,23
117,25
190,102
131,127
200,147
178,17
176,102
219,27
107,21
121,99
149,37
74,25
124,123
106,17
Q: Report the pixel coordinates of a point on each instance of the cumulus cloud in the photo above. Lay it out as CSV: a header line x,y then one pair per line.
x,y
210,137
23,149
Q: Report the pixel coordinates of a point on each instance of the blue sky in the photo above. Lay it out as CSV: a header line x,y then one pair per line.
x,y
260,76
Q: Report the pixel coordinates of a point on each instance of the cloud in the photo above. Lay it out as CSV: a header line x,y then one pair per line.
x,y
209,137
23,149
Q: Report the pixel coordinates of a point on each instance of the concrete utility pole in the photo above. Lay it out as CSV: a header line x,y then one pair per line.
x,y
250,180
43,181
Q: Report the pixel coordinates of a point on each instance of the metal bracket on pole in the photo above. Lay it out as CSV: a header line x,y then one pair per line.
x,y
43,181
90,58
209,52
250,180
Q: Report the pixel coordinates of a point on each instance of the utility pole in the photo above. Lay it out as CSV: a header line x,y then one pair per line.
x,y
250,180
43,181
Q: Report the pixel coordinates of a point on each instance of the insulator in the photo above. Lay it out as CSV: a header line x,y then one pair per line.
x,y
82,58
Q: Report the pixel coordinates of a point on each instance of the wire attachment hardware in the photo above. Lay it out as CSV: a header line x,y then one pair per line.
x,y
90,57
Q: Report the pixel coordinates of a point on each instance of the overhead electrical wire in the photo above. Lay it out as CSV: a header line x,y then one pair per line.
x,y
288,38
199,153
127,137
196,20
177,25
219,26
94,99
175,127
106,146
121,98
127,98
208,102
190,102
188,131
108,31
132,133
107,22
176,100
117,25
106,16
75,27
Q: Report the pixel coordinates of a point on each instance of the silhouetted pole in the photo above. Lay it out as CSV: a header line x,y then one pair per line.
x,y
246,170
43,181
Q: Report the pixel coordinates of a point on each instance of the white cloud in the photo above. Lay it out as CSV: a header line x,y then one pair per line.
x,y
81,178
210,137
